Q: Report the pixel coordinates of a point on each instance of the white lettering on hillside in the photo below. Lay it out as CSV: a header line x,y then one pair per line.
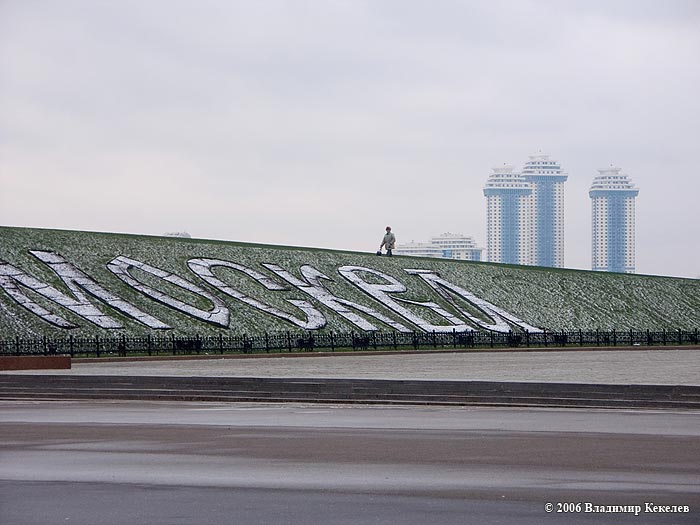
x,y
381,291
203,268
77,282
459,310
12,278
218,314
498,315
313,287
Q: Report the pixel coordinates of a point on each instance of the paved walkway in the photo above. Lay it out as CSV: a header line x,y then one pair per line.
x,y
665,366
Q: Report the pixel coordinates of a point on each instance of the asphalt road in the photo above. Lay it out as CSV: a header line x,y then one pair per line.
x,y
165,463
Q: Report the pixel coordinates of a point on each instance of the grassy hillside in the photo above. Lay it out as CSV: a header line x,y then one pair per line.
x,y
547,298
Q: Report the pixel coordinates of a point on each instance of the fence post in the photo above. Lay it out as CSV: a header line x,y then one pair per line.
x,y
491,337
580,337
267,342
544,332
393,337
631,338
97,345
614,337
664,337
332,342
680,337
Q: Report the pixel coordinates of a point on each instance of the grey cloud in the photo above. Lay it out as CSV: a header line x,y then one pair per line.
x,y
393,111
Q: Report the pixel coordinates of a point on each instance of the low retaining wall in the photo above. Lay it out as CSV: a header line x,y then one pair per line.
x,y
249,389
35,362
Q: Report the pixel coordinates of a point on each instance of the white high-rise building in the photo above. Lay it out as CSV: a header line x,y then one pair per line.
x,y
546,180
613,221
509,225
446,246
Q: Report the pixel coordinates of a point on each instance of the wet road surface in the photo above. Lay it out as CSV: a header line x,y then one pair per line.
x,y
179,463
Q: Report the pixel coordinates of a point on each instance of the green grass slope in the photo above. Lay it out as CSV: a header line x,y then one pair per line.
x,y
555,299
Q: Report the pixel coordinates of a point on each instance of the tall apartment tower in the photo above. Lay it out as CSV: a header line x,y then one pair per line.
x,y
546,179
509,208
612,198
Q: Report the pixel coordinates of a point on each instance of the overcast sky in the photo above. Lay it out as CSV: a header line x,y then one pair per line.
x,y
317,123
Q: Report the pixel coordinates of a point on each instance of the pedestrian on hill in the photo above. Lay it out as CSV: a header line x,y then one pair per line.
x,y
389,241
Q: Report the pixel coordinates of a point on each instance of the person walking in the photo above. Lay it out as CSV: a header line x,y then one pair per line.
x,y
389,241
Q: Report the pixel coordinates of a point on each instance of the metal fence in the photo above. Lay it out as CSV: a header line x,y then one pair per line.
x,y
154,345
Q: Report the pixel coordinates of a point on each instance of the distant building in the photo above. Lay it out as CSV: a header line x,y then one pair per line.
x,y
613,221
182,235
547,233
525,222
509,217
445,246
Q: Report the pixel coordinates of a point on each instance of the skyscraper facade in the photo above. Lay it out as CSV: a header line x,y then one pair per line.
x,y
546,180
509,224
613,221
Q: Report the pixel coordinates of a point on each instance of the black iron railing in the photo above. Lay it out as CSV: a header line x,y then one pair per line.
x,y
153,345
